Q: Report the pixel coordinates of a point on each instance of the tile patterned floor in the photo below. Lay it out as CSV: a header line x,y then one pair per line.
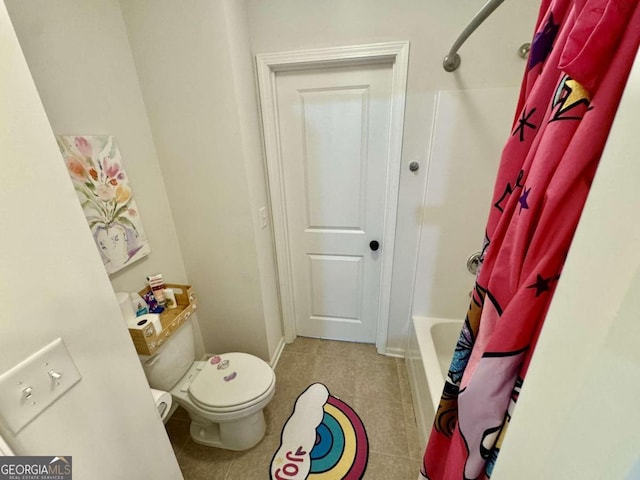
x,y
375,386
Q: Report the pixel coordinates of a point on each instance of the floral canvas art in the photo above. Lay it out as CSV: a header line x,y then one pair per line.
x,y
95,166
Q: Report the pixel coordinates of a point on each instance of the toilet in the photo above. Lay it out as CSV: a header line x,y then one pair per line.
x,y
224,395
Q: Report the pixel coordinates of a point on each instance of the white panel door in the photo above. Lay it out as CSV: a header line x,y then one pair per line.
x,y
334,140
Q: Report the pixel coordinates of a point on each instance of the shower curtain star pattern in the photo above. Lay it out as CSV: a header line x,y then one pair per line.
x,y
580,58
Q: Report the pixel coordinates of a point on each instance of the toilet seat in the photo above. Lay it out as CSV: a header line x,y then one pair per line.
x,y
231,382
236,408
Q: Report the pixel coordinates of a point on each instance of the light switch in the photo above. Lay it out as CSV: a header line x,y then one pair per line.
x,y
263,217
35,383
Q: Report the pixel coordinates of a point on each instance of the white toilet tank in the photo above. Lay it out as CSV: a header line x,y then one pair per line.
x,y
172,360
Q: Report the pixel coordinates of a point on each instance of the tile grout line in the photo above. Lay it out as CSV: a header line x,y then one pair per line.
x,y
228,472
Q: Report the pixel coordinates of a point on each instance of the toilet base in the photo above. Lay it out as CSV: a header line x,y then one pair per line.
x,y
240,434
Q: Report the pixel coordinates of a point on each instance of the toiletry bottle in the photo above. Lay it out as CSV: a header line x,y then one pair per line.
x,y
170,298
140,307
156,283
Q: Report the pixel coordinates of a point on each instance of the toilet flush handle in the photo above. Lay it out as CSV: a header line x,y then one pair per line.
x,y
151,361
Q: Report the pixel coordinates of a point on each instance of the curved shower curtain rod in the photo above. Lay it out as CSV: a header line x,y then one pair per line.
x,y
452,61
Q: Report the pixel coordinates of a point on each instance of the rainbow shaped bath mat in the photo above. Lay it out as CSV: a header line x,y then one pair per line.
x,y
323,439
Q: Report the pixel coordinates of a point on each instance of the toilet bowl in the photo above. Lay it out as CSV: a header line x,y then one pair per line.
x,y
224,395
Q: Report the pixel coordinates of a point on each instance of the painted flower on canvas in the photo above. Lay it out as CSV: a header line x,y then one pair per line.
x,y
95,166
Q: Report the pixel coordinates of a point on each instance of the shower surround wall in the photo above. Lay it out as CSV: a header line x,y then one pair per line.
x,y
469,131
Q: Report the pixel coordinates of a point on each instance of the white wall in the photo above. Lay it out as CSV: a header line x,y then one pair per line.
x,y
196,74
489,60
578,416
81,62
53,284
250,128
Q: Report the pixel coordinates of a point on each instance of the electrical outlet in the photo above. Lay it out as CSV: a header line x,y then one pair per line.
x,y
34,384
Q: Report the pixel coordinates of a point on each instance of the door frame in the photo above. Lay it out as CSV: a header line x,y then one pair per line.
x,y
268,65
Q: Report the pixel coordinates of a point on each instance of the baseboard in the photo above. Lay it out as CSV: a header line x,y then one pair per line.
x,y
276,355
395,352
391,352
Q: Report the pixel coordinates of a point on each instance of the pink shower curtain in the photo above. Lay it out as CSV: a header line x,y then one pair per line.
x,y
579,61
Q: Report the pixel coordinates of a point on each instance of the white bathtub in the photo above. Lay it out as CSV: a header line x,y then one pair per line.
x,y
429,351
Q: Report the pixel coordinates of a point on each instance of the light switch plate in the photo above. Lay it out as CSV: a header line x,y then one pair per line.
x,y
35,383
263,217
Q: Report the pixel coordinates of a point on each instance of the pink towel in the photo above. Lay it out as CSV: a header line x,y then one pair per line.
x,y
578,65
